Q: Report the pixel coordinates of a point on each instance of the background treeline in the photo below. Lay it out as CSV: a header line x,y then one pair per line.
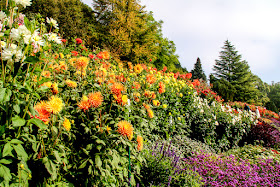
x,y
123,27
132,34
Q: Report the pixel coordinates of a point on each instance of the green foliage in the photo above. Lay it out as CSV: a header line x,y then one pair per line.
x,y
75,19
232,78
197,72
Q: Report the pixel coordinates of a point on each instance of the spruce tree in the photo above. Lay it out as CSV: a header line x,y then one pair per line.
x,y
197,72
234,74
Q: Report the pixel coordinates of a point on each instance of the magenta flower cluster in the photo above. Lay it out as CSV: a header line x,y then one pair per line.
x,y
220,171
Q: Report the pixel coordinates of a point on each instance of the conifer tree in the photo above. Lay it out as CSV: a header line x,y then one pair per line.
x,y
233,74
197,72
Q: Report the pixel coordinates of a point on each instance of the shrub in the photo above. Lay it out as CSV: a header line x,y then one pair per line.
x,y
164,167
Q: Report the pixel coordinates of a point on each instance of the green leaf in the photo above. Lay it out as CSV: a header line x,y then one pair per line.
x,y
39,123
32,60
16,109
16,141
57,156
50,166
100,142
32,110
18,121
43,89
2,94
7,151
83,164
5,173
98,161
20,152
5,161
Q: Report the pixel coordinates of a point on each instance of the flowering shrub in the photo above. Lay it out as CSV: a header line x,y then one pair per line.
x,y
230,171
253,154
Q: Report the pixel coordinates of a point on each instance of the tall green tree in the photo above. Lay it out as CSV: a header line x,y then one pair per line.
x,y
123,27
197,72
234,74
274,96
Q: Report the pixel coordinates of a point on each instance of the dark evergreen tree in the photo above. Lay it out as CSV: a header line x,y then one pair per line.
x,y
274,95
231,72
197,72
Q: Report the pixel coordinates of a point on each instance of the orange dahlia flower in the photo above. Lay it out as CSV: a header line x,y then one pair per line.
x,y
150,113
117,88
140,143
44,115
95,99
138,68
84,104
125,129
82,62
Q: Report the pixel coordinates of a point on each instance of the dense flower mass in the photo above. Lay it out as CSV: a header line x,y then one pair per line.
x,y
125,129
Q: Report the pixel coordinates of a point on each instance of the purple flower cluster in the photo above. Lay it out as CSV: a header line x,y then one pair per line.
x,y
229,171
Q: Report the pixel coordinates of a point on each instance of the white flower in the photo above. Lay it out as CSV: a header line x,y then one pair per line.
x,y
36,39
55,38
15,34
7,54
24,3
52,22
19,55
3,44
2,15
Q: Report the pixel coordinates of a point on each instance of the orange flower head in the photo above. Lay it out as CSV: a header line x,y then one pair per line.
x,y
44,115
84,104
156,102
151,78
140,143
146,106
136,85
125,129
48,84
82,62
46,74
66,124
153,95
54,105
54,88
95,99
117,88
138,68
71,84
150,113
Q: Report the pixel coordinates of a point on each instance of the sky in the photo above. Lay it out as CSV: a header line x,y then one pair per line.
x,y
199,28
